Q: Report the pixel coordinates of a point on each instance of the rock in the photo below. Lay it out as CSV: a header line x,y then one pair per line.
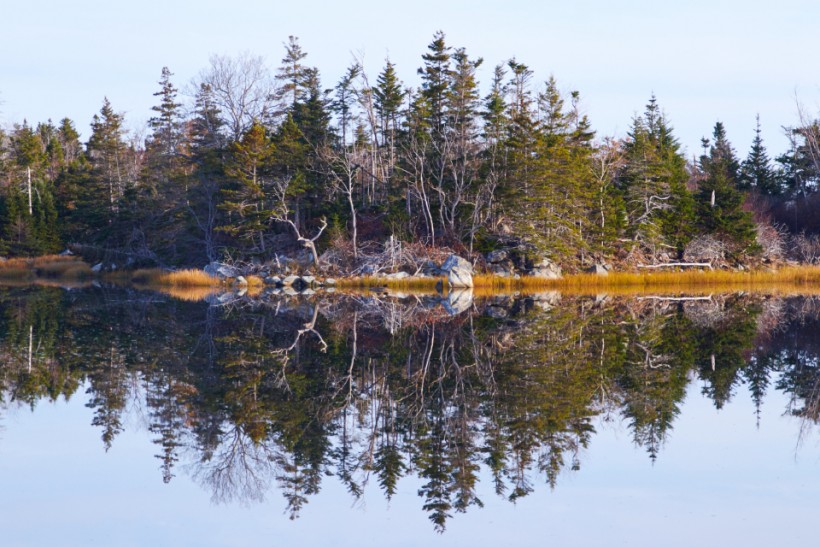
x,y
458,301
308,279
597,269
398,275
67,252
241,281
501,270
494,257
546,300
290,280
330,282
430,268
546,268
289,291
97,268
459,272
496,312
217,269
220,299
308,292
330,290
274,280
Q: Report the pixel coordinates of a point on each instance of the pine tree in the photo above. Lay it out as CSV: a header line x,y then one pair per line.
x,y
756,171
292,75
653,183
248,169
106,151
719,202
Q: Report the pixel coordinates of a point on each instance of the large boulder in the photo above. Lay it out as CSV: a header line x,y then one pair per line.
x,y
499,255
458,301
546,268
597,269
459,272
217,269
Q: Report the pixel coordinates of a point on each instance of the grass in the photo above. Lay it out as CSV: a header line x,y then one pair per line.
x,y
44,267
180,279
409,284
803,278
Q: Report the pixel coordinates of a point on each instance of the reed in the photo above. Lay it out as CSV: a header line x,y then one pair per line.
x,y
178,279
426,284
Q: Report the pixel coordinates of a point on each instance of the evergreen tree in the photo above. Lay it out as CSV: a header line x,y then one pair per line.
x,y
248,169
653,183
719,202
756,171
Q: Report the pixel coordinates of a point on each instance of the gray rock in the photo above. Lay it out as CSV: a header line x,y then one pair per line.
x,y
494,257
496,312
547,300
430,268
273,280
241,281
459,272
398,275
289,291
597,269
97,268
501,270
546,268
217,269
308,292
458,301
330,282
308,279
290,280
67,252
455,261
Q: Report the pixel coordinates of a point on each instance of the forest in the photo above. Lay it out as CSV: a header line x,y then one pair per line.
x,y
249,164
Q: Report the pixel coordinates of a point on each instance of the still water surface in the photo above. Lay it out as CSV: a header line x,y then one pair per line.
x,y
132,418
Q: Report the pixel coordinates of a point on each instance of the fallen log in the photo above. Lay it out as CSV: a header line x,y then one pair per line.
x,y
678,265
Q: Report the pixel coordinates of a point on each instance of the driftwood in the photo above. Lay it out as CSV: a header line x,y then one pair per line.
x,y
675,298
678,265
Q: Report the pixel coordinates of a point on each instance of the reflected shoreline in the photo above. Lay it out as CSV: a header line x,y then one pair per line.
x,y
257,395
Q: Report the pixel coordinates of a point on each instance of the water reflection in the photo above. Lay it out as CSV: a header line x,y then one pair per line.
x,y
254,396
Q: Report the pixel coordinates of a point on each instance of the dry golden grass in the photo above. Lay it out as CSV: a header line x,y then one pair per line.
x,y
254,282
46,267
426,284
190,294
178,279
791,280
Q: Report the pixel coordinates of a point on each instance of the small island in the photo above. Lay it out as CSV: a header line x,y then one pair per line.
x,y
275,180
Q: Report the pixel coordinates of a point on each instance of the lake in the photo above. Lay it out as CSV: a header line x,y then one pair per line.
x,y
137,418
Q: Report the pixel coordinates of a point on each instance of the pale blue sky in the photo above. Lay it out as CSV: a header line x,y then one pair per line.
x,y
705,60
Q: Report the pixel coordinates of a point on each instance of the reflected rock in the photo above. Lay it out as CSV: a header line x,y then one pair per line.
x,y
458,301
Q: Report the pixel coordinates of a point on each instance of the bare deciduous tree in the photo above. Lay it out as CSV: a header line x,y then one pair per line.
x,y
241,87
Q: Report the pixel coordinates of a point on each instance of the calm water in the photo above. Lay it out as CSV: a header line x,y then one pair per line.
x,y
133,418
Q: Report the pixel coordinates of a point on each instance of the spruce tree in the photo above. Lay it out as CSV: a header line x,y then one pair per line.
x,y
756,171
653,184
719,202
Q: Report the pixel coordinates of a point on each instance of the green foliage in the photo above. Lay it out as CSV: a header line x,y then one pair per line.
x,y
719,202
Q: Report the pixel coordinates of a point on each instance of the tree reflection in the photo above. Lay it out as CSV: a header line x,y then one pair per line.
x,y
278,395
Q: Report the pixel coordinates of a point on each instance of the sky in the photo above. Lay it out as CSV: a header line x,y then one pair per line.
x,y
704,60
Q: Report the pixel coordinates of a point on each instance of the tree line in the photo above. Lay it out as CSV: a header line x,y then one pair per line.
x,y
253,163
